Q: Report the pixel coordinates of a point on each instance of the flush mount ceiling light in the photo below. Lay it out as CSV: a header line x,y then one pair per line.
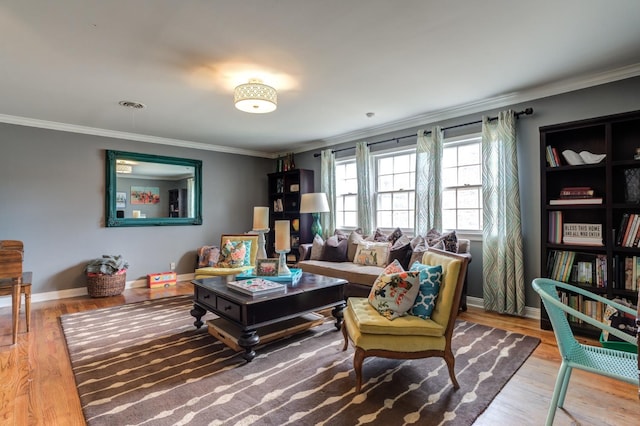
x,y
255,97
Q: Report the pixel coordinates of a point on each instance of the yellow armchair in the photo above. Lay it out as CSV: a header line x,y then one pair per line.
x,y
213,271
409,337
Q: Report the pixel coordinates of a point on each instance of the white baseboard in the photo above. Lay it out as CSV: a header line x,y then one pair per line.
x,y
529,312
82,291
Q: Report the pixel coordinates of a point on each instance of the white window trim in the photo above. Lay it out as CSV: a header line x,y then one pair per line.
x,y
461,140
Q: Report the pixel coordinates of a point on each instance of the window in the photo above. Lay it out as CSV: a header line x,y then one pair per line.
x,y
346,194
395,189
462,184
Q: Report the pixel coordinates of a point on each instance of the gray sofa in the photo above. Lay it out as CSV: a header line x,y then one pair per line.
x,y
361,277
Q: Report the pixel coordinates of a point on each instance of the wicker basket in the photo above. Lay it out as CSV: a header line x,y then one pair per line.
x,y
100,285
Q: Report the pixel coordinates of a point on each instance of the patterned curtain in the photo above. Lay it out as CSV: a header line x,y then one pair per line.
x,y
502,263
428,187
328,186
363,167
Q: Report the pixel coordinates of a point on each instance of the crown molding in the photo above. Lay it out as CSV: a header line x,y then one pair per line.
x,y
551,89
63,127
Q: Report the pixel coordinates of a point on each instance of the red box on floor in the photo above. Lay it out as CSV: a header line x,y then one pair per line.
x,y
162,279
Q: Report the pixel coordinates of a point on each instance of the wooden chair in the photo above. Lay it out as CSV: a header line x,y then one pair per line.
x,y
409,337
603,361
25,286
10,283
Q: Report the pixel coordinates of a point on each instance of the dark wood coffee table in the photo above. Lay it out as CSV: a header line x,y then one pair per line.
x,y
311,293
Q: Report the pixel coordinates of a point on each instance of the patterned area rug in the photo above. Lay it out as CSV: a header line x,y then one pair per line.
x,y
146,364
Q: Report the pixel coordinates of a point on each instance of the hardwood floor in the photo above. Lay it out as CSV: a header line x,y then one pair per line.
x,y
37,385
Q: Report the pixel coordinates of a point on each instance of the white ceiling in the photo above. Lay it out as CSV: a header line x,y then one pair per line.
x,y
66,64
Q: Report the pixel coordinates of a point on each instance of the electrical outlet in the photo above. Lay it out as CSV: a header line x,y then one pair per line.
x,y
172,265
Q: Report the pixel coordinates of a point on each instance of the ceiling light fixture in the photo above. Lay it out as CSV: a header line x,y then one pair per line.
x,y
255,97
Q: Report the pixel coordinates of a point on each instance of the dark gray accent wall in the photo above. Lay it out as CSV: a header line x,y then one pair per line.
x,y
611,98
52,198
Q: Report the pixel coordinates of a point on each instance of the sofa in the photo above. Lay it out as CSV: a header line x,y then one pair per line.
x,y
361,277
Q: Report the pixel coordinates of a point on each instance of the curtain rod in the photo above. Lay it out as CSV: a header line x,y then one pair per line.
x,y
527,111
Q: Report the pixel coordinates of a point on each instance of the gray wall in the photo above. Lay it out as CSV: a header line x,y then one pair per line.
x,y
612,98
52,193
52,198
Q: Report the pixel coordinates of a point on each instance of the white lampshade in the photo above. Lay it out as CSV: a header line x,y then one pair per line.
x,y
314,202
255,97
260,218
283,236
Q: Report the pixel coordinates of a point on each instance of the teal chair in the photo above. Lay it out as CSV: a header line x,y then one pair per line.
x,y
607,362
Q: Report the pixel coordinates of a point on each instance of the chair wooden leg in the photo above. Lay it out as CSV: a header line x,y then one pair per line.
x,y
451,363
27,305
15,304
346,337
358,359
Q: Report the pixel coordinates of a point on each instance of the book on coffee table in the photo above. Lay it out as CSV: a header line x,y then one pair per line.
x,y
255,286
296,274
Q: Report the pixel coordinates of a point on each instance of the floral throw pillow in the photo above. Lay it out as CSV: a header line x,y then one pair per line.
x,y
233,254
430,280
393,294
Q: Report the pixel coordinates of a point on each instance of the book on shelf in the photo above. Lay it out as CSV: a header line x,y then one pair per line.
x,y
555,227
575,201
629,232
582,268
255,286
577,192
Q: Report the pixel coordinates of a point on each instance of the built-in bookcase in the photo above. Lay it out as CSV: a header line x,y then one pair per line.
x,y
584,206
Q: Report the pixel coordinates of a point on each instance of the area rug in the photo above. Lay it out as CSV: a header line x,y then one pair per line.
x,y
146,364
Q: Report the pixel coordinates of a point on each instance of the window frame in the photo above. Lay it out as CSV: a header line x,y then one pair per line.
x,y
466,139
340,162
387,153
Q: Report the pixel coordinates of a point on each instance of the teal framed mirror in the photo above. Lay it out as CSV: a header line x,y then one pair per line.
x,y
151,190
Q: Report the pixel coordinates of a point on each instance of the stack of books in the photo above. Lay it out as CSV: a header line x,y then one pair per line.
x,y
553,159
576,195
582,234
555,227
256,286
629,234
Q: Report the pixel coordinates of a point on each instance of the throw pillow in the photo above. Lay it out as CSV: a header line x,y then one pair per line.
x,y
378,236
232,254
341,234
448,241
335,250
395,235
352,246
208,256
392,295
401,250
370,253
430,280
317,248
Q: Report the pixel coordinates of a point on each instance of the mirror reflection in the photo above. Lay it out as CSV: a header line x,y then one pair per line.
x,y
152,190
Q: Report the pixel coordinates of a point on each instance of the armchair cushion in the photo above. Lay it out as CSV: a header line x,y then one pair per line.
x,y
430,279
393,294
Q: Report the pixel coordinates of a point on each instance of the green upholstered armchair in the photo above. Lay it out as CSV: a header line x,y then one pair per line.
x,y
214,271
409,337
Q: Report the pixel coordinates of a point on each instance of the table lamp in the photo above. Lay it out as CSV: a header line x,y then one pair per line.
x,y
314,203
261,227
283,245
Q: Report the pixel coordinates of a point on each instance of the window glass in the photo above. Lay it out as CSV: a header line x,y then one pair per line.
x,y
462,184
395,189
346,194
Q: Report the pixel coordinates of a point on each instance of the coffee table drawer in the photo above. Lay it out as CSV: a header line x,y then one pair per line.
x,y
206,297
228,308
